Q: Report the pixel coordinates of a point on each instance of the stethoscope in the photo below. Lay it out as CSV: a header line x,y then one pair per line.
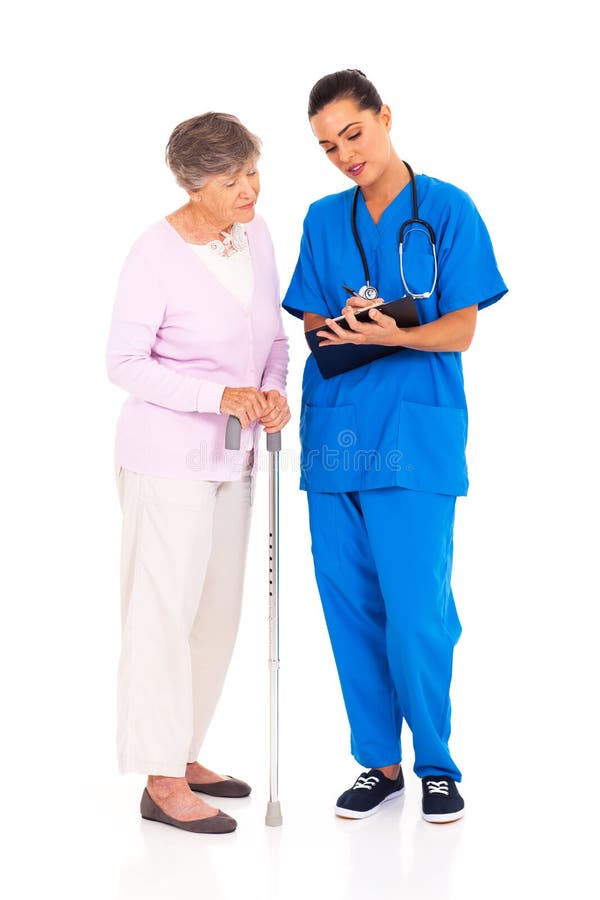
x,y
368,290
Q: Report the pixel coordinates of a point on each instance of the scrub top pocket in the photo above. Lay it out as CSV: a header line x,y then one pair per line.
x,y
329,437
432,441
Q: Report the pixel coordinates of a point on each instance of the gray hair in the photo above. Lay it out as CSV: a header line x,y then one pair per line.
x,y
207,145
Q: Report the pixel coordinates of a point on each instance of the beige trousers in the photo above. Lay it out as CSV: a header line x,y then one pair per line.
x,y
183,555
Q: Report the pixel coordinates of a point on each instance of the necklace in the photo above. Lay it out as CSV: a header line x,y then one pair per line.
x,y
231,243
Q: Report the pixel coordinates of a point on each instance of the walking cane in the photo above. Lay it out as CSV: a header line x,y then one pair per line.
x,y
232,442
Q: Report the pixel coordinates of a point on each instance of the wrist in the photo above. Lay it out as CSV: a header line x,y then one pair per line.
x,y
399,337
210,397
406,338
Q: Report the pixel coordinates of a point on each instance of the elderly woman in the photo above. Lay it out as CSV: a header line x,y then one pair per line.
x,y
196,336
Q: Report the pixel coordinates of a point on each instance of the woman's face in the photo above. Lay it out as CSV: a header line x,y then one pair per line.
x,y
230,198
355,140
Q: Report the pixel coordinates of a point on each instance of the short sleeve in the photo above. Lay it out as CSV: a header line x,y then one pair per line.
x,y
304,293
468,273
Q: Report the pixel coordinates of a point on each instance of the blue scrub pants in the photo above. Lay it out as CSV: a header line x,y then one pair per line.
x,y
383,560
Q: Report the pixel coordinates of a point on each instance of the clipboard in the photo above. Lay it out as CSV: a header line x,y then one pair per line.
x,y
344,357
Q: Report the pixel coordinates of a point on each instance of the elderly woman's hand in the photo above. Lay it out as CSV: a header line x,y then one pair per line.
x,y
278,415
247,404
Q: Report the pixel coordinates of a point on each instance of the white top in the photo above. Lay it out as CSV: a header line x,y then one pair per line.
x,y
229,261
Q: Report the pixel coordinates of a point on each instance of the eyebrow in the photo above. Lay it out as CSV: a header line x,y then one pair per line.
x,y
340,133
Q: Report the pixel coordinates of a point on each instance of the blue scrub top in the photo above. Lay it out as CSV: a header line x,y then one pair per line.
x,y
401,420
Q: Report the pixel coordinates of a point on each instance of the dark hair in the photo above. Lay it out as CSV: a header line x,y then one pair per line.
x,y
350,83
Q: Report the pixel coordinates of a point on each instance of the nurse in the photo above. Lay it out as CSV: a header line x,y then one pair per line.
x,y
383,445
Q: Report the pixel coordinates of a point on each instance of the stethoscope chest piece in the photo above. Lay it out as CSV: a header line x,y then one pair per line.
x,y
369,292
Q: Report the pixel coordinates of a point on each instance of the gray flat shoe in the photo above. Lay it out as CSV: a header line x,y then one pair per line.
x,y
219,824
232,787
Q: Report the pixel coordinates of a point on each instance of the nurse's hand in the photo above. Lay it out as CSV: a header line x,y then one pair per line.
x,y
357,302
380,330
278,414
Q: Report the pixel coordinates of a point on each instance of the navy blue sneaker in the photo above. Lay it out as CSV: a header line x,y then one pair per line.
x,y
441,800
369,792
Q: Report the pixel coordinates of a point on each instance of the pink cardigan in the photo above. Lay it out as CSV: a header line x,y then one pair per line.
x,y
178,338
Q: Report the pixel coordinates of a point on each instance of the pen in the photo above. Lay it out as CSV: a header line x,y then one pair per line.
x,y
350,291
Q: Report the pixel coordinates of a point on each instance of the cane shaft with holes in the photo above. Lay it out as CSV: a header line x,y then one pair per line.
x,y
273,816
232,442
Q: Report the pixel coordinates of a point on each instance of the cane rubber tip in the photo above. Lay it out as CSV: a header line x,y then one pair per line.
x,y
273,816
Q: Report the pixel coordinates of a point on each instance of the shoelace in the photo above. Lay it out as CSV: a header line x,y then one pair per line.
x,y
437,787
366,783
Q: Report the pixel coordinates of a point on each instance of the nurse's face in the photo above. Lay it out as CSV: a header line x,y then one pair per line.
x,y
356,140
229,198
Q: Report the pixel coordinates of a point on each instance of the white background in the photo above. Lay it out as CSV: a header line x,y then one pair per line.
x,y
498,98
